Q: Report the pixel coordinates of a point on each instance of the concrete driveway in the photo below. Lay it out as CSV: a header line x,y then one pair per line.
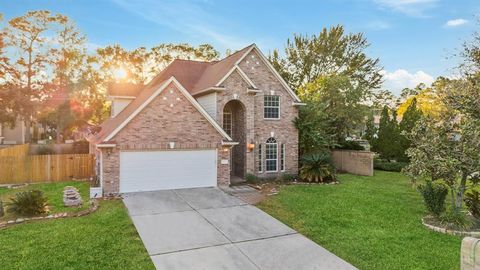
x,y
208,229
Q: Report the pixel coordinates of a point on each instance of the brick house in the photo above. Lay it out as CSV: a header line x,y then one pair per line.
x,y
199,124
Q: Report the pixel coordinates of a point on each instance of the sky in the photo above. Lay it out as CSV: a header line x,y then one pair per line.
x,y
415,40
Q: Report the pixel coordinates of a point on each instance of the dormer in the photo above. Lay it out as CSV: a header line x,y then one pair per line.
x,y
121,94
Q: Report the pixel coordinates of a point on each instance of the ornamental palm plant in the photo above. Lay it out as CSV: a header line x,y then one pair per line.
x,y
317,167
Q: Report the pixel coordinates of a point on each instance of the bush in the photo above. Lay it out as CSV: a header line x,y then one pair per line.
x,y
455,220
383,165
251,178
350,145
472,201
45,150
287,177
28,203
434,196
317,167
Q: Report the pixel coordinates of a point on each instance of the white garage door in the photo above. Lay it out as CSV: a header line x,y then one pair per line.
x,y
158,170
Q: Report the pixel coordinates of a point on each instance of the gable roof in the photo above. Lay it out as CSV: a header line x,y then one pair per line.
x,y
198,76
112,126
124,89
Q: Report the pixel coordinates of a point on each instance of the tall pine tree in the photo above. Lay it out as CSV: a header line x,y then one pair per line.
x,y
410,118
387,143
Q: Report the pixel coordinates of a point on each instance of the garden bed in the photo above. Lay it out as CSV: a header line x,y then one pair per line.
x,y
54,194
434,224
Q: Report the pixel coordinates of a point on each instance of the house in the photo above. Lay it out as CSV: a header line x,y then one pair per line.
x,y
17,134
199,124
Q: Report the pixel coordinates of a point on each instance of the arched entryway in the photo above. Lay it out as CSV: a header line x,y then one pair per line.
x,y
234,123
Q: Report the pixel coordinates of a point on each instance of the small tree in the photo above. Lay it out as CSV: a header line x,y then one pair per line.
x,y
387,143
340,99
446,149
410,118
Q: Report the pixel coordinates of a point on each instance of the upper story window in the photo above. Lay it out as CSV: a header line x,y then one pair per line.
x,y
271,107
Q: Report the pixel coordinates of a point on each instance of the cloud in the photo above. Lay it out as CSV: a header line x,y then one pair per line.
x,y
455,22
188,17
415,8
378,25
401,78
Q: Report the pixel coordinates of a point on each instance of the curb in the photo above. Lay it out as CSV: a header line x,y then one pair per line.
x,y
451,232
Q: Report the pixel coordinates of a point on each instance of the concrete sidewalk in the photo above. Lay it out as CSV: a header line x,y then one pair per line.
x,y
205,228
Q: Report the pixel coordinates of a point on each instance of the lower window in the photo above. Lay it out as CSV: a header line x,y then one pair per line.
x,y
271,155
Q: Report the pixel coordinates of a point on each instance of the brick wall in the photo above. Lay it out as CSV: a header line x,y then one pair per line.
x,y
170,117
258,130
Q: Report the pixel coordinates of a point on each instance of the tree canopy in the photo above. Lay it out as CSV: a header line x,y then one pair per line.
x,y
331,52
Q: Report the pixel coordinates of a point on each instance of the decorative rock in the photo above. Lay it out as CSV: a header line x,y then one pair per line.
x,y
10,222
20,220
71,197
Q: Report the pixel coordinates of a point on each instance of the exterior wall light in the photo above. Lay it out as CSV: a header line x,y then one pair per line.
x,y
251,146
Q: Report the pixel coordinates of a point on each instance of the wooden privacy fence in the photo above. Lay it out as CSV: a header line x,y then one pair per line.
x,y
45,168
354,162
15,151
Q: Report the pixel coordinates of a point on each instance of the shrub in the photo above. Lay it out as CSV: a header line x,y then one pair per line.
x,y
28,203
45,150
251,178
434,196
472,201
317,167
350,145
383,165
455,220
287,177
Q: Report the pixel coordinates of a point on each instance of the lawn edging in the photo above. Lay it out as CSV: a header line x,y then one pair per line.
x,y
93,207
449,231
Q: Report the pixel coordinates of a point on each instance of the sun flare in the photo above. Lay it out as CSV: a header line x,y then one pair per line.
x,y
120,73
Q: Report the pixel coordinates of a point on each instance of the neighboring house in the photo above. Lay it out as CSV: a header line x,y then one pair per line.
x,y
197,124
12,135
17,134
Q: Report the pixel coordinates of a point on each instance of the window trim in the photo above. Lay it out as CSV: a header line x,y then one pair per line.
x,y
276,155
260,158
279,105
283,151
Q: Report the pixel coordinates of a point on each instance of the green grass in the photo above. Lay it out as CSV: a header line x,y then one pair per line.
x,y
105,239
54,194
371,222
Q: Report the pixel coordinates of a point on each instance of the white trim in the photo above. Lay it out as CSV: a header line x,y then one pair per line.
x,y
253,91
124,97
299,103
210,89
283,150
230,143
101,170
242,74
155,94
106,145
272,69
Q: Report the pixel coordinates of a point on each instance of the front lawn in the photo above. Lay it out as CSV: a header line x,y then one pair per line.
x,y
105,239
53,192
371,222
